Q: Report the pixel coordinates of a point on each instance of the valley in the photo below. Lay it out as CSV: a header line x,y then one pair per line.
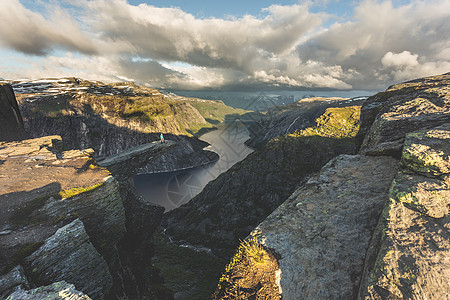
x,y
330,192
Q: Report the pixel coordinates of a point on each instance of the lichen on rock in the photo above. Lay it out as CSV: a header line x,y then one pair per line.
x,y
409,256
388,116
428,151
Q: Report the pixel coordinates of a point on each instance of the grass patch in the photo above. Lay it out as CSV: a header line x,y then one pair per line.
x,y
336,122
77,190
215,111
249,249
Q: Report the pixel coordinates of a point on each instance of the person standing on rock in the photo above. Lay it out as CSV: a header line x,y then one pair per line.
x,y
162,138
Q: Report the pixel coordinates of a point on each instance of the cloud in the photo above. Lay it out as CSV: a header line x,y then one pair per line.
x,y
29,32
404,59
378,28
287,47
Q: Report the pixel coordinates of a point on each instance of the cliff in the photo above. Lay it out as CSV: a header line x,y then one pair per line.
x,y
63,217
111,118
368,226
11,123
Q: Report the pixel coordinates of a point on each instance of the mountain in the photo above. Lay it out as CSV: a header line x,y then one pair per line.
x,y
283,120
111,118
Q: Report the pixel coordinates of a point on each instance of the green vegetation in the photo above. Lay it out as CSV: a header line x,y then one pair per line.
x,y
250,249
336,122
187,270
78,190
53,108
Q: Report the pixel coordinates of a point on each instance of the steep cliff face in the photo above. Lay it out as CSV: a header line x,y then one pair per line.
x,y
11,123
232,205
367,226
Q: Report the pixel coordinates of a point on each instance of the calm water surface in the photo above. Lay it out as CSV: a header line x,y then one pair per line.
x,y
172,189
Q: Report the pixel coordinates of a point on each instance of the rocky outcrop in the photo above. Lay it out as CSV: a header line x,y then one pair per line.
x,y
69,255
126,164
410,251
406,107
63,217
58,290
321,233
11,123
232,205
43,190
184,155
354,231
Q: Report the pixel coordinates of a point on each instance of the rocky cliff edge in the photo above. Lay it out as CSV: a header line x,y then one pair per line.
x,y
64,217
367,226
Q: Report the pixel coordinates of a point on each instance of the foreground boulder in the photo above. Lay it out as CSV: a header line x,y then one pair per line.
x,y
11,123
409,256
13,281
63,217
321,233
43,190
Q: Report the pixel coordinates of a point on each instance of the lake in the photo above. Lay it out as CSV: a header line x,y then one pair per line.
x,y
173,189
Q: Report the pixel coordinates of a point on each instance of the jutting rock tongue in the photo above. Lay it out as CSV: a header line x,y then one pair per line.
x,y
11,123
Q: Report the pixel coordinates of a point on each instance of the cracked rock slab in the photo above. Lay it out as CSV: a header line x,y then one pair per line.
x,y
321,233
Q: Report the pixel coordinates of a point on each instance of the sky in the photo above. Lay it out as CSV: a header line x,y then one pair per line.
x,y
227,45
